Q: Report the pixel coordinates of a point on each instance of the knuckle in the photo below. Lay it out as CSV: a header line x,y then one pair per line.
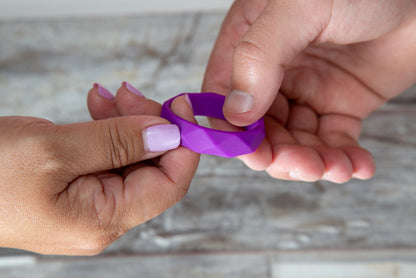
x,y
250,51
93,247
177,192
99,240
50,161
43,151
181,192
119,147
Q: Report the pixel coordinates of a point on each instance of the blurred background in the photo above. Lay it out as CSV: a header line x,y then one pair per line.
x,y
234,222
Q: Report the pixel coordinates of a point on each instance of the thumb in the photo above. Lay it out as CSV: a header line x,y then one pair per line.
x,y
113,143
280,32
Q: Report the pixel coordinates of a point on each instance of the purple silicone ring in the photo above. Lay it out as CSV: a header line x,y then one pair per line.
x,y
211,141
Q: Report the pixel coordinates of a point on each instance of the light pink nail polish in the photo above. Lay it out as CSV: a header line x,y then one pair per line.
x,y
131,89
104,92
159,138
188,100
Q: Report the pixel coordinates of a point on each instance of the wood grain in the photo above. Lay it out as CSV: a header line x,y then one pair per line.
x,y
46,69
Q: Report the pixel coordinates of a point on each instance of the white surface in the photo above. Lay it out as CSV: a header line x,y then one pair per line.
x,y
344,270
51,8
305,264
17,261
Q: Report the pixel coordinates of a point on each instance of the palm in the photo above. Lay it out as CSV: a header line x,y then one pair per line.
x,y
316,119
314,123
333,63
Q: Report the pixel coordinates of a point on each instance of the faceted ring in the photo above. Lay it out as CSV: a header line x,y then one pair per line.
x,y
212,141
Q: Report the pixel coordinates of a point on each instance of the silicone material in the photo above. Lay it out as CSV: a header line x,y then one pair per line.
x,y
211,141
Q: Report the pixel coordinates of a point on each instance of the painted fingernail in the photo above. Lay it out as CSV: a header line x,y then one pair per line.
x,y
159,138
188,100
104,92
239,102
131,89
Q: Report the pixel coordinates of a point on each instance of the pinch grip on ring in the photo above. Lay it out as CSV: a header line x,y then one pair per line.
x,y
211,141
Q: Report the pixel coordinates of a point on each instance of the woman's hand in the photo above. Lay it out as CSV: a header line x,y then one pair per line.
x,y
315,69
74,189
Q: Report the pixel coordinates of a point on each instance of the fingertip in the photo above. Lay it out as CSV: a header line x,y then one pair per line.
x,y
295,162
239,102
100,107
338,166
103,92
182,107
237,108
260,159
161,138
131,89
363,163
130,101
243,109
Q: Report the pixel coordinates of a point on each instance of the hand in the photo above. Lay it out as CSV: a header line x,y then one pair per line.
x,y
315,69
74,189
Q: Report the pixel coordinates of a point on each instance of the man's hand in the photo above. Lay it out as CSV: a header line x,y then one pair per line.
x,y
315,69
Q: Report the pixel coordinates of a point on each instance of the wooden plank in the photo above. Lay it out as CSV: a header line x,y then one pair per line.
x,y
46,9
282,264
166,266
340,264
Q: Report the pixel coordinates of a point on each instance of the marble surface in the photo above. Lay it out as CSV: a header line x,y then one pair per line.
x,y
41,9
46,70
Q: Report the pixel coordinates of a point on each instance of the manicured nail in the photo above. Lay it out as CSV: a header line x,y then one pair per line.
x,y
188,100
239,102
104,92
159,138
131,89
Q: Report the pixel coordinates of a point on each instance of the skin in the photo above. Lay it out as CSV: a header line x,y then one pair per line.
x,y
74,189
315,70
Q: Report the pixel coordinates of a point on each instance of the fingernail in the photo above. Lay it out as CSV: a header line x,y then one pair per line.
x,y
131,89
188,100
104,92
159,138
239,102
